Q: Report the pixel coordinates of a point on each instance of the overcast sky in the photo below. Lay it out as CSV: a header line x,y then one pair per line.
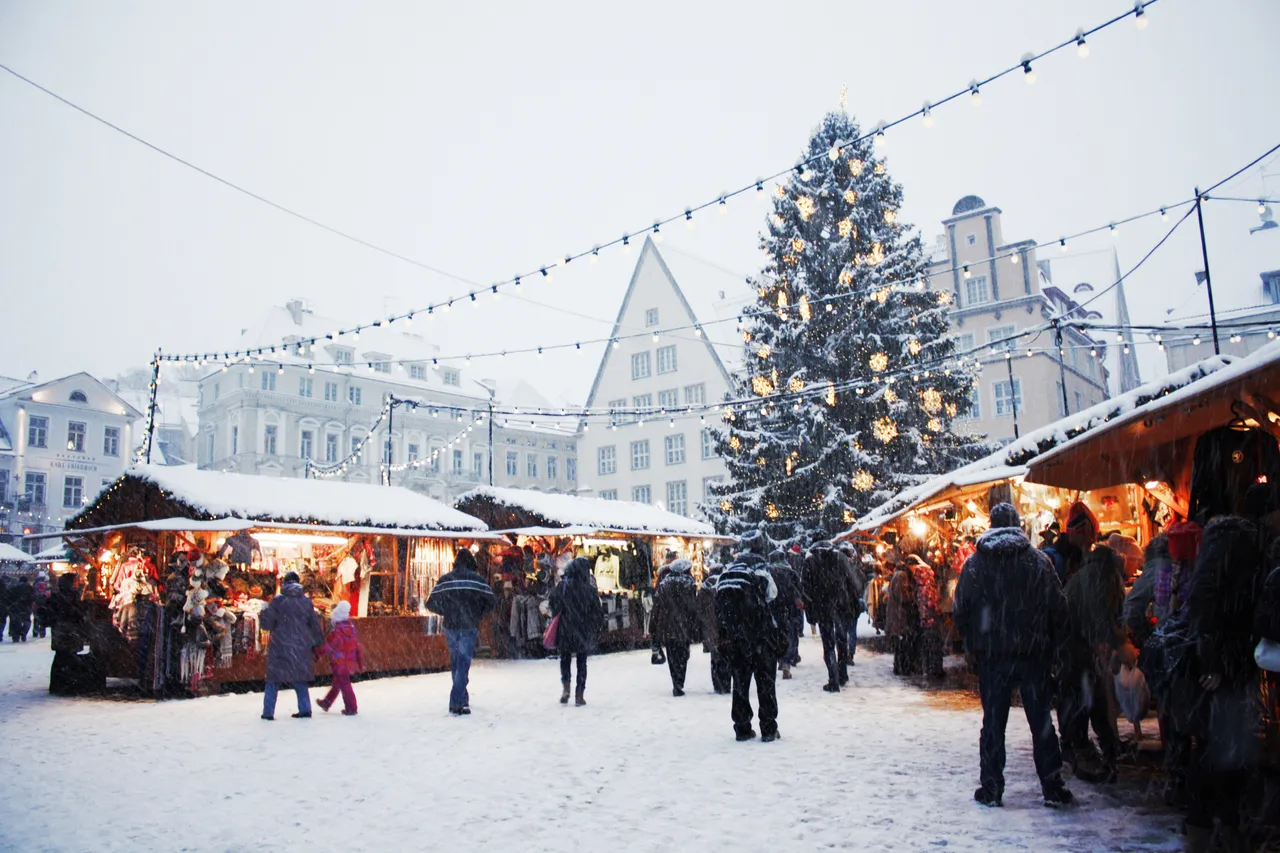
x,y
485,139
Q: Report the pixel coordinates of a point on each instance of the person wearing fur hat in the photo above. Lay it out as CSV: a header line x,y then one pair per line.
x,y
463,598
342,648
675,619
295,632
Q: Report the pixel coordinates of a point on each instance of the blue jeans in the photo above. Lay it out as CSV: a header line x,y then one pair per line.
x,y
299,687
462,648
852,627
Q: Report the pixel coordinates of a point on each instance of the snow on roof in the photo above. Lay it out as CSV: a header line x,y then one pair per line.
x,y
595,513
1012,459
10,554
287,499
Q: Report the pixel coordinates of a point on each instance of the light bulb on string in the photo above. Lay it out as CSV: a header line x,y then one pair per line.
x,y
880,140
496,295
657,233
595,255
760,193
926,117
1013,258
688,219
546,275
626,245
967,274
975,96
1140,15
1063,243
1262,207
723,206
1028,74
1082,49
1164,215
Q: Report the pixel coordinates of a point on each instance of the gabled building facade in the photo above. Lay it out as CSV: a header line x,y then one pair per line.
x,y
652,451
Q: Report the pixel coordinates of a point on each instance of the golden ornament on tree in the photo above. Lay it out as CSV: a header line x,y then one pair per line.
x,y
761,385
797,244
845,227
931,400
806,206
735,442
913,347
830,396
934,425
855,167
805,313
889,396
879,362
771,511
885,430
851,196
863,481
846,277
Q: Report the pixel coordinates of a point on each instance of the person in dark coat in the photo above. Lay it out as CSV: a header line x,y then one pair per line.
x,y
577,602
4,605
463,599
826,601
675,619
21,597
1095,600
857,595
750,636
790,608
41,590
902,621
655,645
1012,614
72,673
720,676
295,634
1139,602
1225,589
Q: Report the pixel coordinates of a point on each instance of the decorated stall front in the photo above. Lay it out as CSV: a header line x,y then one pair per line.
x,y
181,562
626,542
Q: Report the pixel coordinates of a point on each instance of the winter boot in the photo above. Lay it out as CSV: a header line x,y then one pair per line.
x,y
1197,839
786,672
1059,797
745,734
831,687
579,699
990,797
564,695
770,737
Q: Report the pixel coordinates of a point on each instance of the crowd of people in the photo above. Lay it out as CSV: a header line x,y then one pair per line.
x,y
20,600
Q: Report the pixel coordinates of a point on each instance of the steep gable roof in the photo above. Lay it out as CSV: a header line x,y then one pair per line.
x,y
28,392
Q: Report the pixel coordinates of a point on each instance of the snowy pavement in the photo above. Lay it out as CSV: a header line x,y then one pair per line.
x,y
881,766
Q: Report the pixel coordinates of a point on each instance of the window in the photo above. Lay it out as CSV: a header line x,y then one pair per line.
x,y
4,486
695,395
331,392
212,442
641,366
353,395
669,400
996,334
235,440
417,371
331,447
1060,398
531,465
34,488
667,359
1079,401
678,497
513,463
651,317
708,445
1006,401
75,436
971,239
457,461
553,468
641,494
268,380
38,432
675,449
78,397
382,366
450,376
640,455
609,495
607,460
964,343
615,409
414,451
215,391
643,403
111,441
72,491
304,445
571,469
976,291
708,487
975,403
477,464
304,386
342,356
269,440
355,443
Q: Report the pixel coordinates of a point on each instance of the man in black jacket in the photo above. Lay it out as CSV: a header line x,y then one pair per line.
x,y
827,595
1012,613
750,639
463,598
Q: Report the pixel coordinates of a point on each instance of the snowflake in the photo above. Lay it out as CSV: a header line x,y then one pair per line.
x,y
879,362
913,347
797,244
845,227
851,196
885,430
863,481
846,277
855,167
931,400
806,206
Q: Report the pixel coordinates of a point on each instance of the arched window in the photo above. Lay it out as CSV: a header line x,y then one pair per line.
x,y
79,397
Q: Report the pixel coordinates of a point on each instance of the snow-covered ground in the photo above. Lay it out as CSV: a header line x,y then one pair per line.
x,y
881,766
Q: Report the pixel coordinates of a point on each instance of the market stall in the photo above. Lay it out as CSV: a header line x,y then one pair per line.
x,y
14,561
181,562
625,541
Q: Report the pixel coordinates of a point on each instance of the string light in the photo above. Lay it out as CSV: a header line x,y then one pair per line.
x,y
1140,15
1028,74
926,116
1082,49
975,96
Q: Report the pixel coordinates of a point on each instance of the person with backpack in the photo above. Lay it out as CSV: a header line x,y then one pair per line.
x,y
576,601
1012,614
750,636
675,619
463,598
826,601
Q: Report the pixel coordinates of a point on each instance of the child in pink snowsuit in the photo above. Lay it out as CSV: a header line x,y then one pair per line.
x,y
345,658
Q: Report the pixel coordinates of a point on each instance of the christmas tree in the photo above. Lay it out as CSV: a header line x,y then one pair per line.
x,y
854,379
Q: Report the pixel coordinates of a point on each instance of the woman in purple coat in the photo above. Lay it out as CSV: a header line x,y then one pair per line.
x,y
295,633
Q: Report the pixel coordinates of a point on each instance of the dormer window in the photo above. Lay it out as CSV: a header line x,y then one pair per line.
x,y
418,371
79,397
342,355
379,362
450,376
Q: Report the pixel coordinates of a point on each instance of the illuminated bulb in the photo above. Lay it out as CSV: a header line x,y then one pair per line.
x,y
657,234
356,335
1063,243
1271,334
975,97
539,352
760,193
546,276
1027,73
688,219
626,245
615,343
1014,259
311,368
495,291
1082,49
595,255
927,116
1262,207
281,370
880,140
1114,230
1139,16
1196,340
966,271
723,206
834,153
1164,215
655,337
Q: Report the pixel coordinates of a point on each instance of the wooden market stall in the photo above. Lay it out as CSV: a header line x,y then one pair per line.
x,y
626,542
181,562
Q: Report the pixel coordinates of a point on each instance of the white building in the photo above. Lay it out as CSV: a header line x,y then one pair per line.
x,y
1240,330
322,402
60,443
650,459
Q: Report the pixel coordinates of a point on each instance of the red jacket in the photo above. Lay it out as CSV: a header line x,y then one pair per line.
x,y
343,649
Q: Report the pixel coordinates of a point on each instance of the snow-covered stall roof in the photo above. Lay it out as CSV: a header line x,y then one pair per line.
x,y
567,513
1150,437
207,495
10,554
1013,459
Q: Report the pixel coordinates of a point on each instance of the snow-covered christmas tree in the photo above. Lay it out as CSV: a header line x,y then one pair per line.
x,y
853,376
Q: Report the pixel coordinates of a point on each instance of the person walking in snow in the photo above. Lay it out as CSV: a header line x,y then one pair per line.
x,y
41,590
346,658
750,636
463,598
857,600
1012,614
295,632
902,621
21,597
720,676
675,619
577,602
827,589
789,606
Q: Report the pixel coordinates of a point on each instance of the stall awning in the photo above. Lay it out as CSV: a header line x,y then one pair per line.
x,y
583,530
944,488
10,554
511,509
227,525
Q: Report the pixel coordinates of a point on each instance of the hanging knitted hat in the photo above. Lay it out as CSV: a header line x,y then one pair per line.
x,y
1082,522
